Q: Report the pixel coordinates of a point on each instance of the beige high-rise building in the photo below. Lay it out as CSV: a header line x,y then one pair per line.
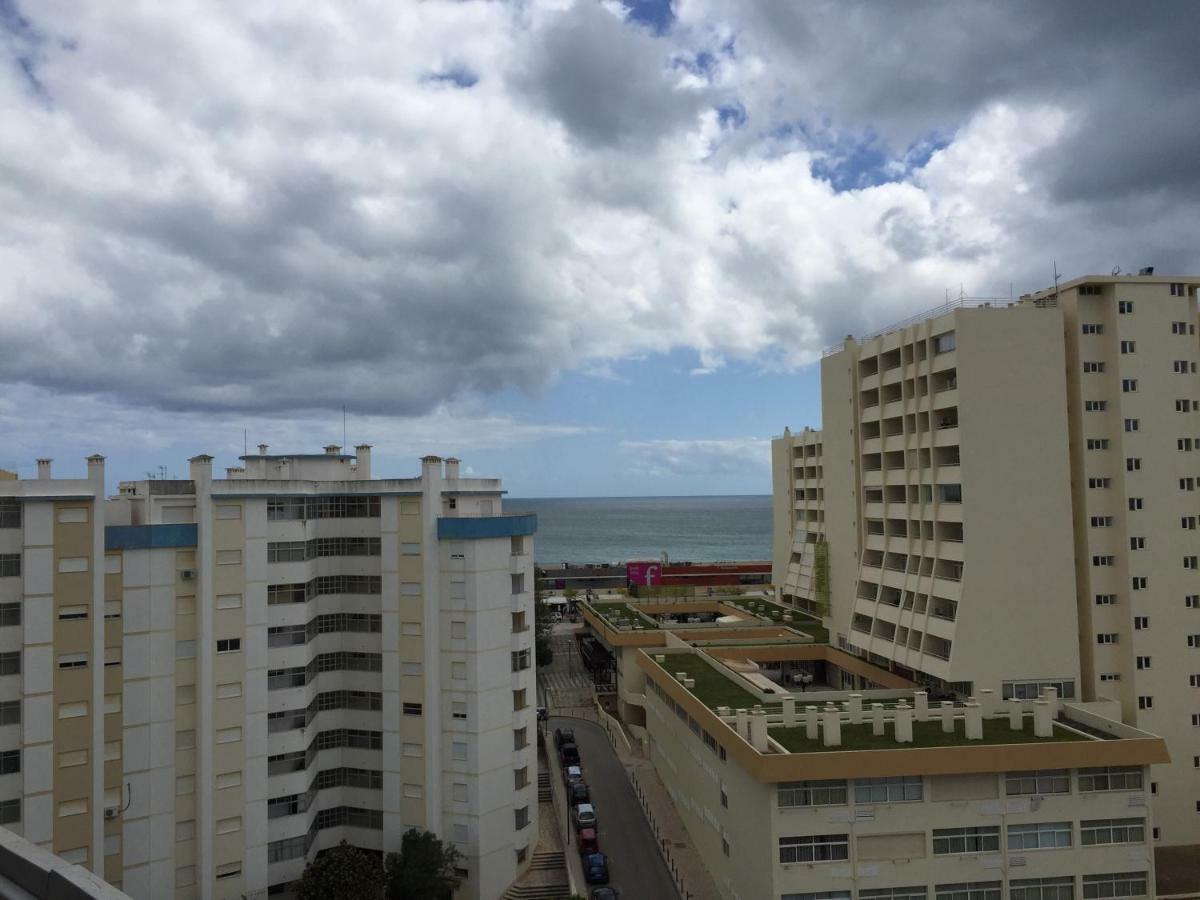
x,y
1004,496
207,681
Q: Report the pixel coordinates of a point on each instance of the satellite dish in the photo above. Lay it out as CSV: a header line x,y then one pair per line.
x,y
1116,270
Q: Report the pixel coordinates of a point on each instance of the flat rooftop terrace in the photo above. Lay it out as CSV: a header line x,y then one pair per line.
x,y
925,734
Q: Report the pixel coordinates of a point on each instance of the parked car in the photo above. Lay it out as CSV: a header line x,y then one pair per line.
x,y
585,816
589,843
572,775
604,893
542,714
564,736
595,868
568,755
578,793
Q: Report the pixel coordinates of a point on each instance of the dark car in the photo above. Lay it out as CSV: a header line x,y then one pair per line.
x,y
564,736
578,793
604,893
568,755
595,868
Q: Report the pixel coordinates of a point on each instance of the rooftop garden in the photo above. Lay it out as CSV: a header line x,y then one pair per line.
x,y
712,688
775,612
623,616
925,734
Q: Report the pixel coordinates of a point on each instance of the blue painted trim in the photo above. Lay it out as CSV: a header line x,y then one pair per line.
x,y
478,529
142,537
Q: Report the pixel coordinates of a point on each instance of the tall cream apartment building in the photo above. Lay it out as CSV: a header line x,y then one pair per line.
x,y
1003,496
204,682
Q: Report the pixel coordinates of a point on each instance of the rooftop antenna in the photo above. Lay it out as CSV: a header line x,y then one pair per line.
x,y
1116,270
343,427
1056,277
245,446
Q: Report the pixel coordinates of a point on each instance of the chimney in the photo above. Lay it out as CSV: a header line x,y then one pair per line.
x,y
362,454
876,718
832,726
95,470
758,729
789,712
811,719
201,468
451,467
1042,721
743,723
431,467
974,721
262,449
333,450
1050,695
921,706
948,716
904,723
855,708
1016,718
44,468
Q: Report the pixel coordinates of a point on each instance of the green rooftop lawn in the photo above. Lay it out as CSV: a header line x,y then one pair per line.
x,y
801,620
622,615
925,734
712,688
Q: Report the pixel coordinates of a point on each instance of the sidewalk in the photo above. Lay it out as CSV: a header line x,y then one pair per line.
x,y
691,875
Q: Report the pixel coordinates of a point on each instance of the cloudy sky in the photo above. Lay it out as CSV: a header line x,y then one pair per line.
x,y
592,247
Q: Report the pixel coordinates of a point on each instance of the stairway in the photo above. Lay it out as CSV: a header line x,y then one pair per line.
x,y
537,892
544,795
548,859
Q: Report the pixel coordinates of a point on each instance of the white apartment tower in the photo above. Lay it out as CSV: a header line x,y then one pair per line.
x,y
214,679
1003,495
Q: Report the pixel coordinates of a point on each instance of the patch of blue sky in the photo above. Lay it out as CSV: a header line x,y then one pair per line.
x,y
731,115
868,161
657,14
23,45
459,76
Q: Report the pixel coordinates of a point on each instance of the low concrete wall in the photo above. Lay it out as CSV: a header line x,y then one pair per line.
x,y
27,870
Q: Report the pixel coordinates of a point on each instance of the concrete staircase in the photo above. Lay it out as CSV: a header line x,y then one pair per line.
x,y
547,860
538,892
544,795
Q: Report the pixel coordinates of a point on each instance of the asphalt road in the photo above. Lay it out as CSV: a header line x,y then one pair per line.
x,y
635,866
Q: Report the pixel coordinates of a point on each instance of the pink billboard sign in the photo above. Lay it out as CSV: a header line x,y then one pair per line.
x,y
644,573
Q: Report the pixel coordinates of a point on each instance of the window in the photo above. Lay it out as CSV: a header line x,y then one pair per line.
x,y
458,671
1111,778
1133,464
10,762
1183,406
10,513
10,614
1106,599
519,699
1193,640
898,789
972,839
1137,543
520,660
458,750
1104,560
1133,424
1145,702
520,738
1110,676
819,895
458,630
1095,405
1128,346
229,601
1092,327
1097,443
412,709
1118,884
112,609
1060,887
1184,444
919,892
1124,307
1093,368
1139,582
1192,601
10,712
458,709
73,564
791,794
1112,831
1136,503
233,869
1102,521
1040,781
226,780
814,848
520,778
1190,562
1188,523
10,565
1178,289
518,623
229,557
1180,367
1107,637
944,343
521,817
72,660
1129,385
1141,622
968,890
1099,482
10,663
410,668
1143,662
229,645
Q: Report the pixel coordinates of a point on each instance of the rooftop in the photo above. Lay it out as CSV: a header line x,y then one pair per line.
x,y
925,734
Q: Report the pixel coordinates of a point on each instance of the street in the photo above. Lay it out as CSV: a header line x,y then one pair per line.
x,y
636,866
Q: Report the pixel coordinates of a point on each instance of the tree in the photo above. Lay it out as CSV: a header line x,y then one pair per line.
x,y
422,870
339,872
543,647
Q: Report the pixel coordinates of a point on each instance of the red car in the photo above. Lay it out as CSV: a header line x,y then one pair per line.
x,y
588,841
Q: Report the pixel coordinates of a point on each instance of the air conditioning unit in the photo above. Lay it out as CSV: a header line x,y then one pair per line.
x,y
187,574
111,812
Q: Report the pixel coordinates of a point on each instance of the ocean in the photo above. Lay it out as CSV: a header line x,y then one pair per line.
x,y
614,529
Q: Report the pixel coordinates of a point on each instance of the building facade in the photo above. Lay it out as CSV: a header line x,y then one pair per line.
x,y
1004,495
210,680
